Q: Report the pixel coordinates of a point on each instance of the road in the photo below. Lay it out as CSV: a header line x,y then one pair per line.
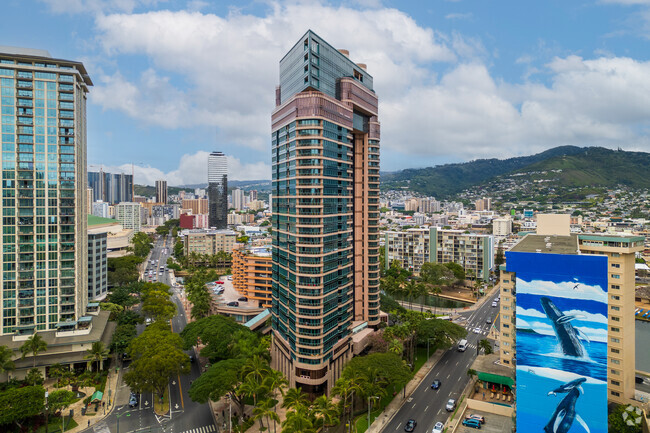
x,y
426,405
186,416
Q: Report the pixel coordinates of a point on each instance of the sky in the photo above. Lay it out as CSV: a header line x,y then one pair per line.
x,y
456,80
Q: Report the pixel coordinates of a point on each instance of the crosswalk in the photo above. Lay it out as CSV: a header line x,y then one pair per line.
x,y
204,429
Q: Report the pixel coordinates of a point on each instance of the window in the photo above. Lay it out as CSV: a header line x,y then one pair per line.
x,y
615,298
615,340
616,265
616,276
614,393
614,329
616,319
615,286
615,382
616,255
616,372
615,308
615,361
615,350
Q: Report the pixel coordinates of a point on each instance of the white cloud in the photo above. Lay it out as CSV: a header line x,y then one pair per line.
x,y
582,316
193,169
559,375
627,2
562,290
208,70
458,16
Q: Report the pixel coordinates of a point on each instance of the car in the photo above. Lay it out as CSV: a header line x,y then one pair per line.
x,y
494,304
147,321
229,277
133,400
496,299
472,423
410,425
438,428
436,384
488,321
451,405
233,304
479,418
243,299
191,358
477,330
219,282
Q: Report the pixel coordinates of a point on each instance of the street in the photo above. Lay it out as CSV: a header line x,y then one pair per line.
x,y
186,416
426,405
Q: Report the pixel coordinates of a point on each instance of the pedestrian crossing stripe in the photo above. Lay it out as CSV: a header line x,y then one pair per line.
x,y
204,429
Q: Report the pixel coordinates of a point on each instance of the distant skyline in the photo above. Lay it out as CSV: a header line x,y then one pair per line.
x,y
459,80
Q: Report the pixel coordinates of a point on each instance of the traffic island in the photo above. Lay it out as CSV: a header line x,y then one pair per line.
x,y
161,407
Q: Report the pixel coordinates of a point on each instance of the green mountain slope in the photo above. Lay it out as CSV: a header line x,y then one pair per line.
x,y
568,165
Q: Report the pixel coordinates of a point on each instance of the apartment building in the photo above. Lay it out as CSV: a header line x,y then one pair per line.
x,y
325,187
161,191
208,241
251,274
129,214
197,205
605,261
501,226
97,263
414,247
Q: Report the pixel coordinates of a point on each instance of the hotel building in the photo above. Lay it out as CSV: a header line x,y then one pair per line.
x,y
325,187
251,274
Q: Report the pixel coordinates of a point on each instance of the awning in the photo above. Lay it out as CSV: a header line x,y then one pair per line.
x,y
93,305
85,319
66,324
97,396
495,378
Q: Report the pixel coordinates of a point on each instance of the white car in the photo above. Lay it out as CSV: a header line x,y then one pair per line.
x,y
438,428
477,330
494,304
229,277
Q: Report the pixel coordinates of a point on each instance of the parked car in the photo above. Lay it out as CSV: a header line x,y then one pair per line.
x,y
133,400
479,418
438,428
410,425
229,277
472,423
148,321
451,405
494,304
233,304
243,299
436,384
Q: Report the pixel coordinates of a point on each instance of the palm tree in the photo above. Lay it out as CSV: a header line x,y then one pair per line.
x,y
275,381
34,345
295,398
6,364
252,388
324,412
485,345
257,367
346,388
435,291
97,353
421,291
298,422
395,346
411,290
266,410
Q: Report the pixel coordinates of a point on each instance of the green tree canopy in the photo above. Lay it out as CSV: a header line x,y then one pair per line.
x,y
218,333
387,366
458,270
6,363
18,404
122,337
59,400
443,333
121,295
436,274
123,270
34,345
222,378
141,244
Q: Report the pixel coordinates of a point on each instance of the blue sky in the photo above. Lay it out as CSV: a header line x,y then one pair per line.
x,y
457,80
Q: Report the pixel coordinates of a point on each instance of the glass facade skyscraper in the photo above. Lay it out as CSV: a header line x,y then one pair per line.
x,y
44,242
112,188
217,190
325,187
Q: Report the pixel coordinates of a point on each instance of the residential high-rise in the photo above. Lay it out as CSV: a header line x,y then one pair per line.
x,y
218,190
161,191
325,186
111,187
44,185
238,199
129,215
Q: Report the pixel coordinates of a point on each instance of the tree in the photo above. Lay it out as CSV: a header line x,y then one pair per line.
x,y
625,419
499,259
221,379
18,404
297,421
218,334
485,345
141,244
346,387
97,353
178,250
436,274
122,337
123,270
275,382
157,357
324,412
34,377
265,409
389,305
58,372
441,333
121,295
156,304
34,345
113,308
294,398
60,400
6,363
457,270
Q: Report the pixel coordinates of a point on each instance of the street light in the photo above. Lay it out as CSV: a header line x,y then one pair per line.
x,y
118,416
369,404
47,411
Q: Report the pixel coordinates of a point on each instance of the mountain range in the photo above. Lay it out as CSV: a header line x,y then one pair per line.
x,y
568,166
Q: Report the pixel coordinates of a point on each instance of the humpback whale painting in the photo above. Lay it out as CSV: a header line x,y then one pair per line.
x,y
566,334
561,341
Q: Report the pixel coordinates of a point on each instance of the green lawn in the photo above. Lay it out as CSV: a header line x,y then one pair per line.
x,y
55,425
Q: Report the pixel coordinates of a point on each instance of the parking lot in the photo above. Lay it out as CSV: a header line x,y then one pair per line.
x,y
493,423
231,294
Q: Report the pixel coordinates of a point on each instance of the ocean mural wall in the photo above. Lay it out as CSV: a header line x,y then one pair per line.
x,y
561,342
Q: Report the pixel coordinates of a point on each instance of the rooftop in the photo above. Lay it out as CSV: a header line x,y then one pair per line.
x,y
99,221
547,244
31,54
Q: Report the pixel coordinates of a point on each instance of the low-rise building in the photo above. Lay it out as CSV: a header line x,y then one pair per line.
x,y
129,215
97,259
251,274
208,241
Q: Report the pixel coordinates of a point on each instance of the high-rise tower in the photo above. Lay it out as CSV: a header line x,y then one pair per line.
x,y
161,191
217,190
325,156
44,185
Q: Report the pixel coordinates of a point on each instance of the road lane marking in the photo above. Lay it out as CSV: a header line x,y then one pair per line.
x,y
448,375
457,363
425,409
413,407
398,425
